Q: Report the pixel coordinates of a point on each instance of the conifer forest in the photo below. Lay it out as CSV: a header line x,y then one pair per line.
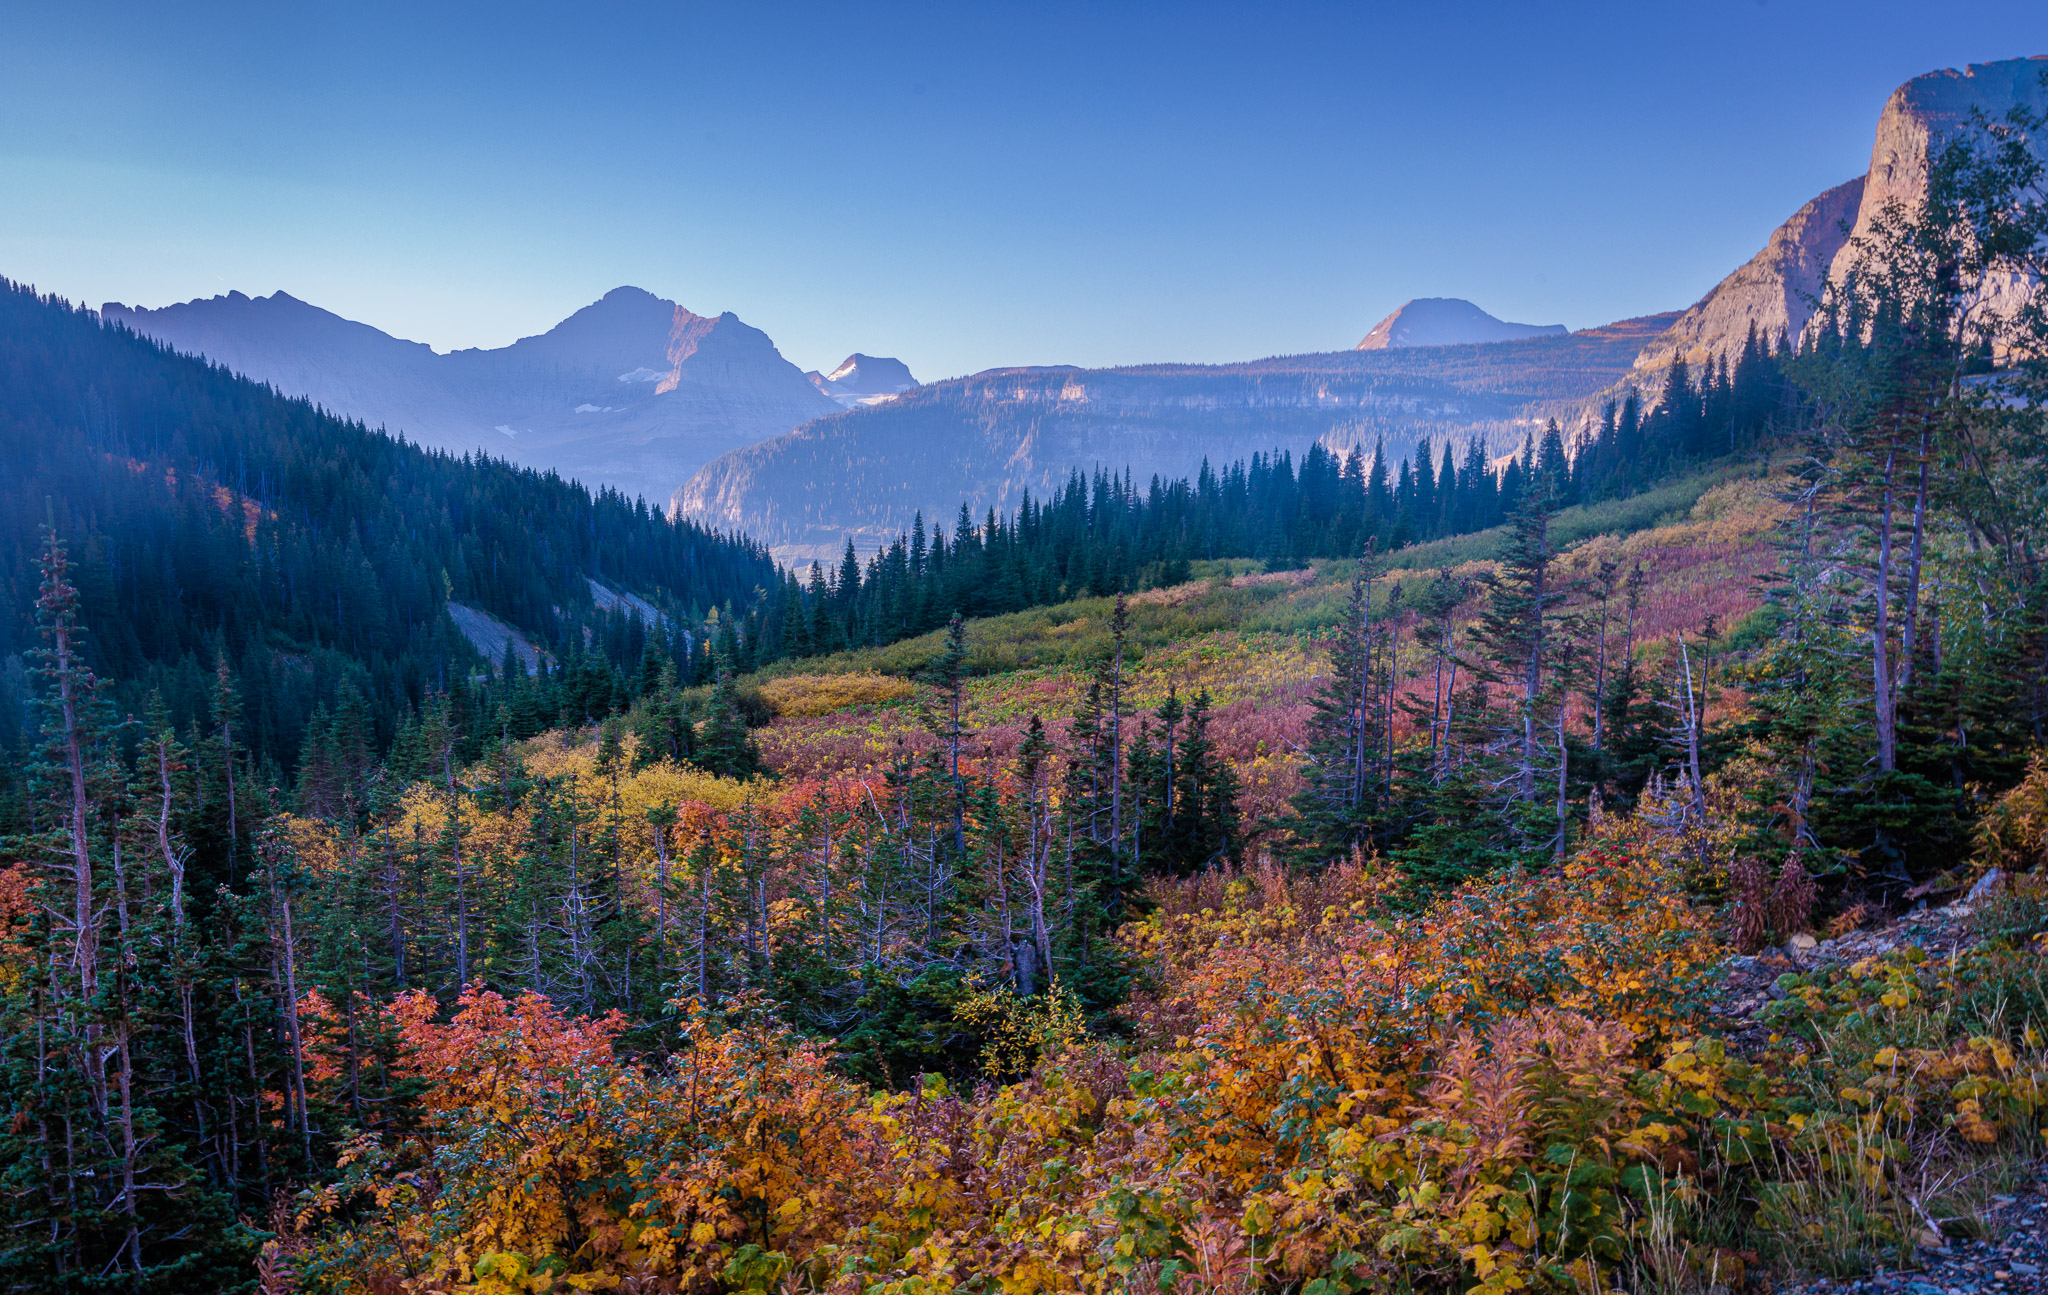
x,y
1323,874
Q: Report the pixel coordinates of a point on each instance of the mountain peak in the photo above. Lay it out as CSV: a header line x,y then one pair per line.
x,y
1447,321
864,380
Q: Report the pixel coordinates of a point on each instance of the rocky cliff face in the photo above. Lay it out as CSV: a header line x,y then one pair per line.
x,y
632,391
1772,290
1930,109
1447,321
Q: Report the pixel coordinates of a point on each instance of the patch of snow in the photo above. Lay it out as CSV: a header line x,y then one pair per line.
x,y
507,430
597,409
644,374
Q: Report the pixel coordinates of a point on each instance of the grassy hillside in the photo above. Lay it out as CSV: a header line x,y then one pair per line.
x,y
1258,642
1576,1075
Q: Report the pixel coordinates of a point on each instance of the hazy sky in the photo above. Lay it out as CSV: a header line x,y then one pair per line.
x,y
962,185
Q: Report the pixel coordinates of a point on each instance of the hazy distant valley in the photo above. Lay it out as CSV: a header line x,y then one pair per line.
x,y
990,438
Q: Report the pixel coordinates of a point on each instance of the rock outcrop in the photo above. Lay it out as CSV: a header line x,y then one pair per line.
x,y
633,391
1773,291
1931,109
1447,321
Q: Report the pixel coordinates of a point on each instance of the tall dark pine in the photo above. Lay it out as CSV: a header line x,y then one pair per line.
x,y
1333,813
724,745
1515,633
947,675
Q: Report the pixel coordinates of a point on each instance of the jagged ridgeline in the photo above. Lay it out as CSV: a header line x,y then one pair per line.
x,y
211,519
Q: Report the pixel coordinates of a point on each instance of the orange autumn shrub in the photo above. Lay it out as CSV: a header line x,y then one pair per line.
x,y
1314,1029
1606,932
551,1163
548,1162
17,912
2013,833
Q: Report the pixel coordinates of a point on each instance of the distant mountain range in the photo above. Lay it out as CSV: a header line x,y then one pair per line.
x,y
632,391
1447,321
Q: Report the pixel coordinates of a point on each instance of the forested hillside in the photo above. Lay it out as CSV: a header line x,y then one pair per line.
x,y
1523,908
214,524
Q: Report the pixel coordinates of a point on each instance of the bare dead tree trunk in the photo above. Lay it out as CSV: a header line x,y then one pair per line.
x,y
1694,781
85,948
393,907
1361,705
1116,743
756,937
1386,778
1909,639
825,896
131,1244
1882,696
1532,671
1003,904
660,832
1436,704
173,856
288,967
704,932
255,1094
461,873
1036,870
227,754
1564,808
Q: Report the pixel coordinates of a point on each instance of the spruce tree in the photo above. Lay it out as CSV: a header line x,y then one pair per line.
x,y
724,745
1336,808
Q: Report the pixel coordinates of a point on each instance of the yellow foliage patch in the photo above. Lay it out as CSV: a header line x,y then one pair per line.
x,y
810,695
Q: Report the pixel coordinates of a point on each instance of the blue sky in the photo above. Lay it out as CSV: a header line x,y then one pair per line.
x,y
961,185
